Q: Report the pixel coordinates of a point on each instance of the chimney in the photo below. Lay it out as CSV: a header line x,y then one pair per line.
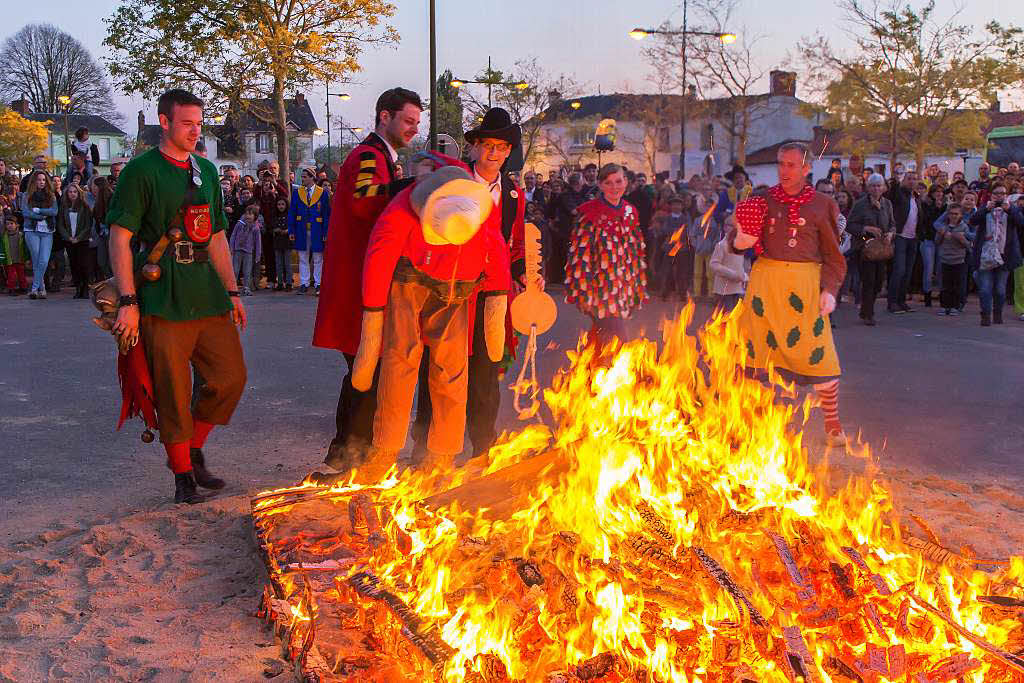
x,y
300,99
995,106
142,121
783,83
21,106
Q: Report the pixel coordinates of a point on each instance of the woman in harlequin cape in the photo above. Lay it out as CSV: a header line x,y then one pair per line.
x,y
606,275
794,282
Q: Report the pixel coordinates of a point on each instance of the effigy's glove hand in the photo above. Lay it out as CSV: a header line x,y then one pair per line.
x,y
365,364
494,326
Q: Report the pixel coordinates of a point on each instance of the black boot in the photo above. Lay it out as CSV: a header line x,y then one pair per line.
x,y
185,489
985,319
997,315
928,299
203,476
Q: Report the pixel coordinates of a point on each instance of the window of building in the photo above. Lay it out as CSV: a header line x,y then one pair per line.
x,y
583,138
663,139
103,145
707,137
263,142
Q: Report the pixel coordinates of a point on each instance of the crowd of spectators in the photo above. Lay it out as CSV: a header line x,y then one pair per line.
x,y
944,237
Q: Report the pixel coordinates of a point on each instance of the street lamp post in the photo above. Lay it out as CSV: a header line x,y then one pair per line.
x,y
432,140
344,96
490,83
727,38
65,101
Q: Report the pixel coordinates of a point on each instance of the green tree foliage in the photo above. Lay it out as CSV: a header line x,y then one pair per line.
x,y
242,55
915,83
449,108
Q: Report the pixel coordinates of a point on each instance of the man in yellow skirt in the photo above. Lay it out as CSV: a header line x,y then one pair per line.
x,y
794,282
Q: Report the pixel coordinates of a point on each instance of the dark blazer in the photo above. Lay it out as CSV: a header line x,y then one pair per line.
x,y
82,230
1014,226
901,198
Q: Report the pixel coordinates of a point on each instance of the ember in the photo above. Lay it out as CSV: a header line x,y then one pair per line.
x,y
670,527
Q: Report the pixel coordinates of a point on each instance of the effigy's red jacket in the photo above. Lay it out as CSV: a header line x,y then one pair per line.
x,y
397,242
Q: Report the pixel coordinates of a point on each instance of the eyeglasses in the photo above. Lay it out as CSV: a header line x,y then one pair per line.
x,y
490,147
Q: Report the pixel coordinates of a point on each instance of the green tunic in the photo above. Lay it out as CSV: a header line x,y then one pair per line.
x,y
149,193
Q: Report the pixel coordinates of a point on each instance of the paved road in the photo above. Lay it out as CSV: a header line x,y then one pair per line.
x,y
931,392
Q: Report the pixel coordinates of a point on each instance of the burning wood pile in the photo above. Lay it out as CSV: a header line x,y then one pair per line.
x,y
669,527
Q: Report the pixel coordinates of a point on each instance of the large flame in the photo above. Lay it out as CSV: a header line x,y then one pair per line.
x,y
681,531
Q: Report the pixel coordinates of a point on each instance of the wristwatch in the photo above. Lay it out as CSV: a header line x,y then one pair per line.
x,y
128,300
234,292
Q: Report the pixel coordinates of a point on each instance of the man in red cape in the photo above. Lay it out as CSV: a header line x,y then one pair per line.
x,y
366,183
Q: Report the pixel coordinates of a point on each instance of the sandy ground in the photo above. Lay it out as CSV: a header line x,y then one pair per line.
x,y
102,579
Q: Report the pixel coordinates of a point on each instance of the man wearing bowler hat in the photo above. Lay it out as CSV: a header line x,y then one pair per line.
x,y
491,143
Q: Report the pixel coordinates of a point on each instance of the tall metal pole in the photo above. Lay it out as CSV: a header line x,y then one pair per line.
x,y
682,124
489,79
433,80
327,86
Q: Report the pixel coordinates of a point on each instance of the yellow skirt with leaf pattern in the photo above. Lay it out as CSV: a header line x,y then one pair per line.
x,y
783,324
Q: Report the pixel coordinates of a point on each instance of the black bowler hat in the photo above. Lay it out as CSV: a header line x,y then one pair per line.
x,y
497,125
736,169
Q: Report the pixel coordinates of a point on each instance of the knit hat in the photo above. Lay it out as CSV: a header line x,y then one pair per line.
x,y
451,205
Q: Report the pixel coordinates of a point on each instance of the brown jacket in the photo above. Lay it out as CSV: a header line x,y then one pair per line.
x,y
816,240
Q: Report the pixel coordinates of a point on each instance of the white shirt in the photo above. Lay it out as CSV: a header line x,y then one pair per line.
x,y
391,150
910,227
495,187
72,223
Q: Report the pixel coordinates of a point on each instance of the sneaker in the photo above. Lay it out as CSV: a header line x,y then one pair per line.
x,y
246,292
317,292
906,309
302,290
954,311
945,311
893,310
33,295
1021,317
41,294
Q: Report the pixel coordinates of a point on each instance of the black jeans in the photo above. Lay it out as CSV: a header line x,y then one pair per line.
x,y
872,273
483,398
354,416
954,284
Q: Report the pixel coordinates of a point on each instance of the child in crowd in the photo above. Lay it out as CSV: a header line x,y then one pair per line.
x,y
282,247
731,271
952,241
13,256
88,150
245,247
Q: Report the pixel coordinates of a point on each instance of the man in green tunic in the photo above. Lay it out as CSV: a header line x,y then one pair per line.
x,y
187,315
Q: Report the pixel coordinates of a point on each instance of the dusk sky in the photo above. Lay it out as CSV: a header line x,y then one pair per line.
x,y
585,39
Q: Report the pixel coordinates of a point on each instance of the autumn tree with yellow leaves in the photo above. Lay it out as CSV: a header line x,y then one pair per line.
x,y
21,139
242,55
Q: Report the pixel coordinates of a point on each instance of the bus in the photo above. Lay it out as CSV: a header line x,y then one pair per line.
x,y
1005,145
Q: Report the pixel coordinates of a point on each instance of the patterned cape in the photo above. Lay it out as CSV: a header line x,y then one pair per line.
x,y
606,274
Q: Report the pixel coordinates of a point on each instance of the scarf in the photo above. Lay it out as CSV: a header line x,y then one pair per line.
x,y
794,202
997,228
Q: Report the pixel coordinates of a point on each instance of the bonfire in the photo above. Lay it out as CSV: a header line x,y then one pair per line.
x,y
665,523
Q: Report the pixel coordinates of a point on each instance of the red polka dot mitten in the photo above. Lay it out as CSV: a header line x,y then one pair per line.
x,y
750,215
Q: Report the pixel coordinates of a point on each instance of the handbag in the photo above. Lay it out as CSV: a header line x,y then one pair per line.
x,y
878,249
990,256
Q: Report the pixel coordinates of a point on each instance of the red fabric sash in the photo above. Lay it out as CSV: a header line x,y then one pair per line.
x,y
136,387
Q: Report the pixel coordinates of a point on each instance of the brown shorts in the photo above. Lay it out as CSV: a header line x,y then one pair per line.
x,y
213,346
